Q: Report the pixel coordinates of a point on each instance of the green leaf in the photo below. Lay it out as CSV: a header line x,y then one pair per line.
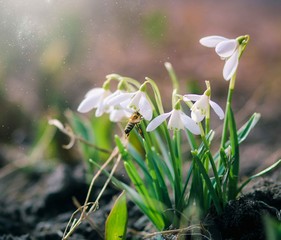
x,y
116,222
208,183
243,132
259,174
247,127
159,176
150,207
145,204
122,149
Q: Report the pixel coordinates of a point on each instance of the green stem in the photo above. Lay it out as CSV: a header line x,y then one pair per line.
x,y
216,175
227,109
178,153
172,75
208,112
157,95
119,78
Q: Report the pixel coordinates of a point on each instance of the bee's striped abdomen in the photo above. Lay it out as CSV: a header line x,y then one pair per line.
x,y
129,128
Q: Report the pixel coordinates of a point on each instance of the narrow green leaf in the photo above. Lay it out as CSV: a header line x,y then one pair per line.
x,y
140,161
152,212
188,177
265,171
243,132
247,127
116,222
196,189
205,145
161,187
122,149
143,191
208,182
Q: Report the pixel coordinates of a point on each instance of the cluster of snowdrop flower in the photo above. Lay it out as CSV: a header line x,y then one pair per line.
x,y
164,189
130,96
121,104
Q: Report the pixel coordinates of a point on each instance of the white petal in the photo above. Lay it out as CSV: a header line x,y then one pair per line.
x,y
102,105
218,110
226,48
231,65
95,91
134,103
190,124
100,110
125,104
157,121
145,108
115,100
88,103
191,97
175,121
211,41
197,115
113,95
118,115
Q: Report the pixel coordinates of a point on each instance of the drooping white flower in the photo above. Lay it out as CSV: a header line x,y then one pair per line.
x,y
201,105
134,100
178,120
95,99
227,49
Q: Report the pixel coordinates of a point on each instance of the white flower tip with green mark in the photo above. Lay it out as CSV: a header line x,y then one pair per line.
x,y
175,121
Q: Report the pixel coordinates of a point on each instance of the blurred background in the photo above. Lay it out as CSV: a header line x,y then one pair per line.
x,y
52,52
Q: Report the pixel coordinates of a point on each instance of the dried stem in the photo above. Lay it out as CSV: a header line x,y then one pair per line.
x,y
84,208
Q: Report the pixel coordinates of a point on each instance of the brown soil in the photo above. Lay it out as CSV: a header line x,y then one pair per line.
x,y
36,203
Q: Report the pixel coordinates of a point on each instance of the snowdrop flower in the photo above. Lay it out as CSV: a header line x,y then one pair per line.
x,y
227,49
178,120
201,106
95,99
134,100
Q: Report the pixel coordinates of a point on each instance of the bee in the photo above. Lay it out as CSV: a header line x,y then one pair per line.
x,y
134,121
